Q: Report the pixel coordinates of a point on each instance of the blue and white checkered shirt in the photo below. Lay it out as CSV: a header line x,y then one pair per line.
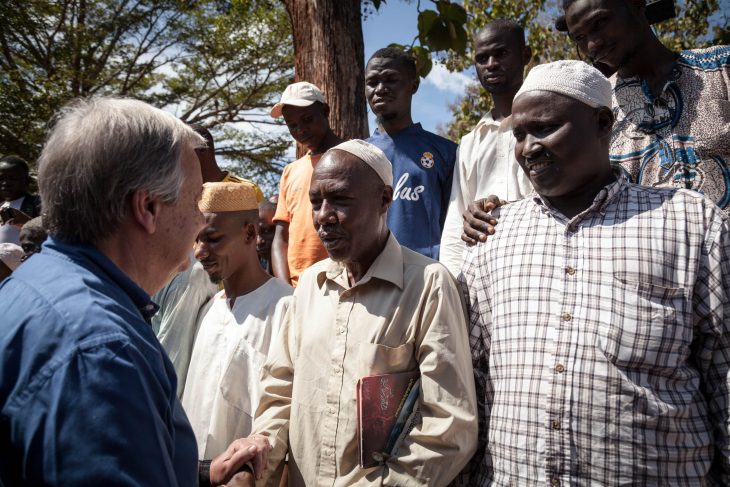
x,y
601,343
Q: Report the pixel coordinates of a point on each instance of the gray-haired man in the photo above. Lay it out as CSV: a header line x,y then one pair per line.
x,y
87,392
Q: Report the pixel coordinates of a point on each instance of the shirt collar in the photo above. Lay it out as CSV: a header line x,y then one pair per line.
x,y
489,121
415,128
87,256
600,203
387,266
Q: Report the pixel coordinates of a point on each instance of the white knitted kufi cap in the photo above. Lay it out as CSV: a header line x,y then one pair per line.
x,y
11,255
575,79
370,155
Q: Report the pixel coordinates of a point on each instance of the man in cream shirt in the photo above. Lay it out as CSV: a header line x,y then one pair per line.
x,y
374,307
486,163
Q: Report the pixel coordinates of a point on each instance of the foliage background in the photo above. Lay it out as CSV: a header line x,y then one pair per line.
x,y
218,63
223,63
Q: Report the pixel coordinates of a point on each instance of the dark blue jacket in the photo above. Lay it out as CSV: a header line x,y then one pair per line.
x,y
87,392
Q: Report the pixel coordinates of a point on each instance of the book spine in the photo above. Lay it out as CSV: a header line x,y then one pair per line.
x,y
402,417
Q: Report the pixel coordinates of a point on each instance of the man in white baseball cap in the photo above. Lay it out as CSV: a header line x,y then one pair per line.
x,y
301,94
305,112
599,311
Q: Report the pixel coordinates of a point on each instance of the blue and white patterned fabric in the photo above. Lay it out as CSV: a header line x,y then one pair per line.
x,y
681,138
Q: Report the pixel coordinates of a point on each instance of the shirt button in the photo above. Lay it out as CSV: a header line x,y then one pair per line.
x,y
567,317
554,481
560,368
570,270
556,424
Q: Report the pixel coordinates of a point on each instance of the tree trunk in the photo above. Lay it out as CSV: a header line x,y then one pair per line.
x,y
329,52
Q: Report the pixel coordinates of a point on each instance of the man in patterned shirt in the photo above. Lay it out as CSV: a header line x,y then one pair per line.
x,y
672,111
599,312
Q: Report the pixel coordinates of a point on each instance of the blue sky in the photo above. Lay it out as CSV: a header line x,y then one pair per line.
x,y
396,22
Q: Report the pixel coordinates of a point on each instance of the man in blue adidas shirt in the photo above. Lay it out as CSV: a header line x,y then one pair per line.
x,y
423,162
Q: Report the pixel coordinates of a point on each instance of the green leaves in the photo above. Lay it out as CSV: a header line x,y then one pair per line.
x,y
440,30
443,29
221,63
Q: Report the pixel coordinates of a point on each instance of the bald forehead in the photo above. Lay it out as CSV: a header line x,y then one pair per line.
x,y
583,8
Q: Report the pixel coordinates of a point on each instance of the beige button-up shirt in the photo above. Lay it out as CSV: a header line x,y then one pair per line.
x,y
485,165
405,313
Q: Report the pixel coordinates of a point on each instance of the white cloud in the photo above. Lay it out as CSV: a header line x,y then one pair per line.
x,y
445,80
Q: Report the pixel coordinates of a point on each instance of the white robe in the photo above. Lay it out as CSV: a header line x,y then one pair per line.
x,y
181,303
224,378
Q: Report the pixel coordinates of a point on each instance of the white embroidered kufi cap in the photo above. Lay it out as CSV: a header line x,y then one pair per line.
x,y
370,155
575,79
11,255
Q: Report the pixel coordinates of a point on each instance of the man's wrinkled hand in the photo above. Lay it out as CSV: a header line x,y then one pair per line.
x,y
254,449
478,221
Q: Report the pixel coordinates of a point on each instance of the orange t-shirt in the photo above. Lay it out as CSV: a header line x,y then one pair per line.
x,y
294,207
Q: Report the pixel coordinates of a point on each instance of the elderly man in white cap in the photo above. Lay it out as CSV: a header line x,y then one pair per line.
x,y
296,245
236,327
599,311
374,307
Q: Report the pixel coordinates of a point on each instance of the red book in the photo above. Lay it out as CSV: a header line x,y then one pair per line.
x,y
380,402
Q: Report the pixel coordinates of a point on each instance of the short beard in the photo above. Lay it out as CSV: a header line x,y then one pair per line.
x,y
385,117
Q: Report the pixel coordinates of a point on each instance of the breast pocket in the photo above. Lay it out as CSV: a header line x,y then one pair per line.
x,y
648,327
241,382
376,359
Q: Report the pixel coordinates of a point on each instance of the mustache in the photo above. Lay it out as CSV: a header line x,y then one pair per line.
x,y
329,229
542,155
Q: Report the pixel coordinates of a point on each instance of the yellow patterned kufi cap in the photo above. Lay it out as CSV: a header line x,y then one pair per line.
x,y
220,197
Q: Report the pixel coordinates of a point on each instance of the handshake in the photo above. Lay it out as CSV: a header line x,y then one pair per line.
x,y
233,466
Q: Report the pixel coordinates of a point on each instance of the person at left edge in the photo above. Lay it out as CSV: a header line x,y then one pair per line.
x,y
87,392
423,162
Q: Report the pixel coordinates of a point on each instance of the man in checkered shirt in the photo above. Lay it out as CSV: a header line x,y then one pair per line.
x,y
599,312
